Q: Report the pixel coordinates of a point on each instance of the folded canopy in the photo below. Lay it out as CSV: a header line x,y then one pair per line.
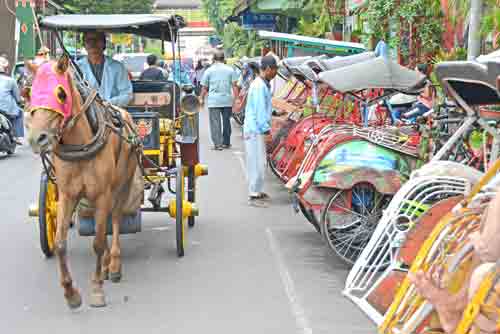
x,y
372,73
151,26
471,81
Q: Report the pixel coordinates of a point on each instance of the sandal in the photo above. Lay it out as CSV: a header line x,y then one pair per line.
x,y
264,196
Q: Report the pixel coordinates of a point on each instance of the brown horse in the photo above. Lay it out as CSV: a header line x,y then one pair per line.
x,y
99,179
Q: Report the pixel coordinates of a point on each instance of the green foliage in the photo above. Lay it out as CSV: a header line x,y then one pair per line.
x,y
491,24
240,42
217,11
109,6
441,56
384,16
320,21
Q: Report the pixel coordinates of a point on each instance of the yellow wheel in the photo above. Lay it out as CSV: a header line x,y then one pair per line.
x,y
179,217
191,192
47,216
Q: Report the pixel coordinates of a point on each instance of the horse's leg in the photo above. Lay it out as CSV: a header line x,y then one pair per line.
x,y
105,262
115,266
65,208
103,206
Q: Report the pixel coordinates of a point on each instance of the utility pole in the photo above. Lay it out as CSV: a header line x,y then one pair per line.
x,y
474,41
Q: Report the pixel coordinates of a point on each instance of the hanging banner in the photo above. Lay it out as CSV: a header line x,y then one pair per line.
x,y
27,41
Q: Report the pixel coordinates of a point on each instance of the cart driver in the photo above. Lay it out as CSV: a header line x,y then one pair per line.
x,y
108,76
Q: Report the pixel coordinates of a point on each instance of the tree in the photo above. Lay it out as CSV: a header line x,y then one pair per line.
x,y
109,6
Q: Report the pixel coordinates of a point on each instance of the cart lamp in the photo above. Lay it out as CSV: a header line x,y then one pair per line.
x,y
188,209
33,210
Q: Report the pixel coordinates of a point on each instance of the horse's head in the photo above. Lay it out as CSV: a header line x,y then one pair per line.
x,y
51,102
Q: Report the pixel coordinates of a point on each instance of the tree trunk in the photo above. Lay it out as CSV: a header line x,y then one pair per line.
x,y
474,44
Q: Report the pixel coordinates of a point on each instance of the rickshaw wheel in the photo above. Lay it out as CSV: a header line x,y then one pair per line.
x,y
350,218
179,219
47,215
191,195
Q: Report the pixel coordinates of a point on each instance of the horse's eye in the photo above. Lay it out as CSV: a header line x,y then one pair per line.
x,y
61,94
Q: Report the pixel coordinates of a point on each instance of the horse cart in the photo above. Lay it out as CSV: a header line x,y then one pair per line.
x,y
165,131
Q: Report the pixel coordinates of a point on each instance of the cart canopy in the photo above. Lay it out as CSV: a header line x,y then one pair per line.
x,y
372,73
151,26
471,82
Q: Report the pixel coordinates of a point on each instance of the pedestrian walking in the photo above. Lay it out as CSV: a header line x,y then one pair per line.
x,y
257,130
10,99
153,72
219,83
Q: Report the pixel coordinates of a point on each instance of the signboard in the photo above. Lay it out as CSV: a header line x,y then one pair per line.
x,y
258,21
27,43
355,4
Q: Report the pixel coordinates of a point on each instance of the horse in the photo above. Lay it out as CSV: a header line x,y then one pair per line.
x,y
58,120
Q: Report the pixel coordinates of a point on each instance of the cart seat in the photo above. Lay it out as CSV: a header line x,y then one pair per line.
x,y
154,96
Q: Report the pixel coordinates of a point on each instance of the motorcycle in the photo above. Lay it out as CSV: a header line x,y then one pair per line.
x,y
7,136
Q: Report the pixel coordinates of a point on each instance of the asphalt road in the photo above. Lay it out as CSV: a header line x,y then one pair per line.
x,y
246,270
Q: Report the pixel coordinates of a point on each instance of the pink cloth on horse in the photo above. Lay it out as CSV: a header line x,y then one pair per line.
x,y
44,90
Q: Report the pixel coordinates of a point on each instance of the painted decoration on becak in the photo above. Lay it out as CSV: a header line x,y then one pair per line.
x,y
358,154
144,128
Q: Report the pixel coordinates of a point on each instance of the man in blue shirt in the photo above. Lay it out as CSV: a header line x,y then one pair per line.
x,y
219,82
108,76
257,130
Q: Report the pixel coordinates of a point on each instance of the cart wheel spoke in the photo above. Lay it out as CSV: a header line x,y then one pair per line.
x,y
346,227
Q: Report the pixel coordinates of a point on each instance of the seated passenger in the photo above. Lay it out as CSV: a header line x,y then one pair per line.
x,y
108,76
153,72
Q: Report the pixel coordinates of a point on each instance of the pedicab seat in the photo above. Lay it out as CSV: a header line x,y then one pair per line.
x,y
154,96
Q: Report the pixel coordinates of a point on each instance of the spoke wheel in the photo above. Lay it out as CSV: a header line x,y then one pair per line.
x,y
47,215
349,219
191,195
179,219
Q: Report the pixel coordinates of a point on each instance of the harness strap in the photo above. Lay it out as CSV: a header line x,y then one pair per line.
x,y
71,123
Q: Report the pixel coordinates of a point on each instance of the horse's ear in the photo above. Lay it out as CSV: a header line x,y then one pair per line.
x,y
62,64
33,68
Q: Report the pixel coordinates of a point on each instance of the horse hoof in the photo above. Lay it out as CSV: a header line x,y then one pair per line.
x,y
74,301
97,300
115,277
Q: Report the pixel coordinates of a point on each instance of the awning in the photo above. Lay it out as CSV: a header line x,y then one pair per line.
x,y
346,47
